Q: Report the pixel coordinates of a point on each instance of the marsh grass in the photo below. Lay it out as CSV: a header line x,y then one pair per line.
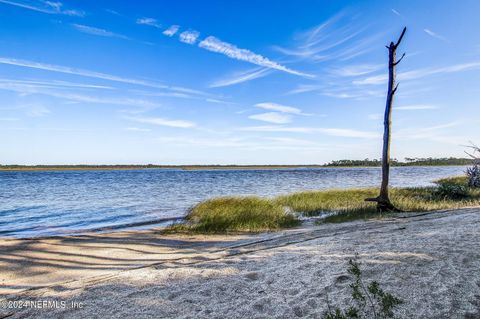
x,y
254,214
237,214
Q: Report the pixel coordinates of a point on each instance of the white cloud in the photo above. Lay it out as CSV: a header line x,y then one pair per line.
x,y
416,107
93,74
189,37
171,30
339,132
339,38
279,108
396,12
420,73
268,143
203,142
271,117
26,89
98,31
48,7
304,88
53,84
213,44
240,77
376,79
137,129
375,116
149,21
356,70
163,122
435,35
34,110
113,12
289,141
428,133
348,133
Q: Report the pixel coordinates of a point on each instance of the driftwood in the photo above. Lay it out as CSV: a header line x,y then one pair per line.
x,y
383,200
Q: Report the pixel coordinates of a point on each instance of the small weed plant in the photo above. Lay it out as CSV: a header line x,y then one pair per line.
x,y
369,301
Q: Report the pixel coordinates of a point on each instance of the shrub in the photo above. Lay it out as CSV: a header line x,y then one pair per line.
x,y
369,301
473,174
451,191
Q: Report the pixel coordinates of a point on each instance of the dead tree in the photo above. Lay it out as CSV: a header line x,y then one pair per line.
x,y
383,200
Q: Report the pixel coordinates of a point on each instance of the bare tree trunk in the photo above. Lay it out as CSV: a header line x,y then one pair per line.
x,y
383,200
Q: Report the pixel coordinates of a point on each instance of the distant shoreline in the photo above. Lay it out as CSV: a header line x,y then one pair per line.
x,y
9,168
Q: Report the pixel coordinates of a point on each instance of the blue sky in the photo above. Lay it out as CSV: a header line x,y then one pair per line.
x,y
245,82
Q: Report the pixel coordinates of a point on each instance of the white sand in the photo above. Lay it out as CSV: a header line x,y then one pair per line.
x,y
431,261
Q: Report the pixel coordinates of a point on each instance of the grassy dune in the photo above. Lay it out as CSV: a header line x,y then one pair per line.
x,y
258,214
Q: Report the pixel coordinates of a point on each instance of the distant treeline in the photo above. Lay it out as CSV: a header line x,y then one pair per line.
x,y
341,163
417,161
82,167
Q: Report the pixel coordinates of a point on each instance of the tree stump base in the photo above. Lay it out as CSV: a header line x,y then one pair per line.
x,y
384,205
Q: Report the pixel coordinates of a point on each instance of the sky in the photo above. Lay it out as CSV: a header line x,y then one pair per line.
x,y
234,82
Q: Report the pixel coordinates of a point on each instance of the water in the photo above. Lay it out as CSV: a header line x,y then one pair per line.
x,y
35,203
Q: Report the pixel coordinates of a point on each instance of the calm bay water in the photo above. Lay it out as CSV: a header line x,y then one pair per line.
x,y
39,203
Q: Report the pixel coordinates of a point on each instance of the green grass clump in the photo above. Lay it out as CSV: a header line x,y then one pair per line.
x,y
254,214
349,204
236,214
313,203
455,180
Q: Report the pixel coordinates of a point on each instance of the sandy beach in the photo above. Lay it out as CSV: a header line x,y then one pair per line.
x,y
432,261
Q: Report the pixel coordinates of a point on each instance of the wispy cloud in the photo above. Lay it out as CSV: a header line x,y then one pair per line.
x,y
93,74
25,88
162,122
339,132
271,117
420,73
230,50
35,110
149,21
338,38
171,30
396,12
29,109
53,84
351,93
433,133
304,88
375,116
267,143
356,70
114,12
416,107
189,37
48,7
279,108
137,129
240,77
213,44
98,31
435,35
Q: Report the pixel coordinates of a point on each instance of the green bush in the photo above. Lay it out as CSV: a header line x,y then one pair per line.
x,y
451,191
